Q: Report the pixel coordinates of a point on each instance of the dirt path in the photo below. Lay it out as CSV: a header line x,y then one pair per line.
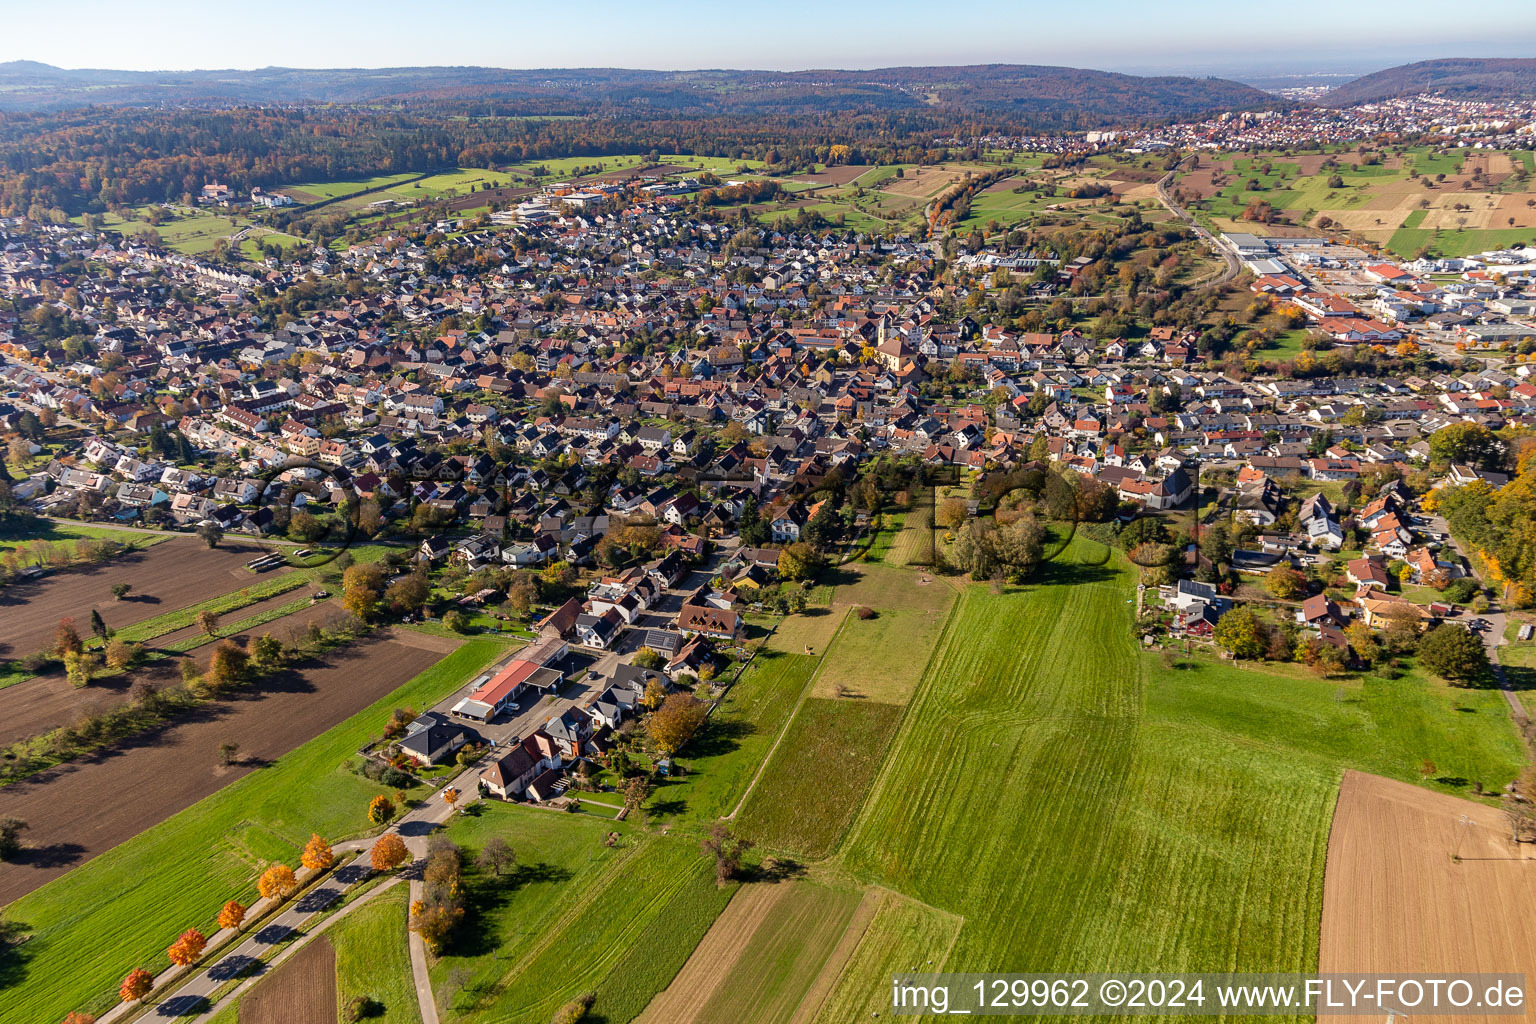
x,y
1394,900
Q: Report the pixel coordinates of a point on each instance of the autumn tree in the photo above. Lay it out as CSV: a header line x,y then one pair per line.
x,y
674,723
121,654
229,667
186,949
361,587
1402,632
136,985
950,513
655,693
277,882
388,853
79,1017
1362,639
435,922
80,667
317,855
232,914
799,562
66,639
408,595
727,849
636,790
380,809
450,796
1241,633
1467,442
1285,583
208,621
575,1011
264,652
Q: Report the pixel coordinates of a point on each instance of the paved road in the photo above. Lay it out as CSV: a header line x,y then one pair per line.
x,y
415,828
1233,268
1498,622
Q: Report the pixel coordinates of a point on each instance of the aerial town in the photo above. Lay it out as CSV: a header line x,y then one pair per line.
x,y
704,585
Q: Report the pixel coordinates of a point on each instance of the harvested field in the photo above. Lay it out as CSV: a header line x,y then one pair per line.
x,y
47,702
808,632
927,182
164,578
758,964
902,935
714,957
840,175
1518,207
170,768
1394,900
300,990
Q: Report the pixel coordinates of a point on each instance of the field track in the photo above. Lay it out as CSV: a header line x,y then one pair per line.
x,y
1394,900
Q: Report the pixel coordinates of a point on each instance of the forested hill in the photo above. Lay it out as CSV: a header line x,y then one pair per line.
x,y
1461,77
1035,96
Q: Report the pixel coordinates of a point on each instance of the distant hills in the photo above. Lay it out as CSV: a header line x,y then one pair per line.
x,y
1046,96
1465,77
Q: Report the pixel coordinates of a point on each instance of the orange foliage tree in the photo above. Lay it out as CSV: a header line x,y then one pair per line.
x,y
450,796
277,882
187,948
380,809
79,1017
317,855
136,985
232,915
389,853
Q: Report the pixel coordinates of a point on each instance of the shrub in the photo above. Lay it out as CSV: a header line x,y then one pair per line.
x,y
362,1008
864,612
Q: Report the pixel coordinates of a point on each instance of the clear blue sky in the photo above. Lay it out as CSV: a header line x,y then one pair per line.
x,y
1209,36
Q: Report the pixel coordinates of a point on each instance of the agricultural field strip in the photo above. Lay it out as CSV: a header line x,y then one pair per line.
x,y
799,701
597,888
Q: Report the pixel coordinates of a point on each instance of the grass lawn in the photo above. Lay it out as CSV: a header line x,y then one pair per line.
x,y
1080,806
882,658
1286,346
723,757
623,938
374,960
120,910
48,530
818,777
890,526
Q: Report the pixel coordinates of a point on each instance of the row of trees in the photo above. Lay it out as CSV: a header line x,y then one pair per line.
x,y
277,883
